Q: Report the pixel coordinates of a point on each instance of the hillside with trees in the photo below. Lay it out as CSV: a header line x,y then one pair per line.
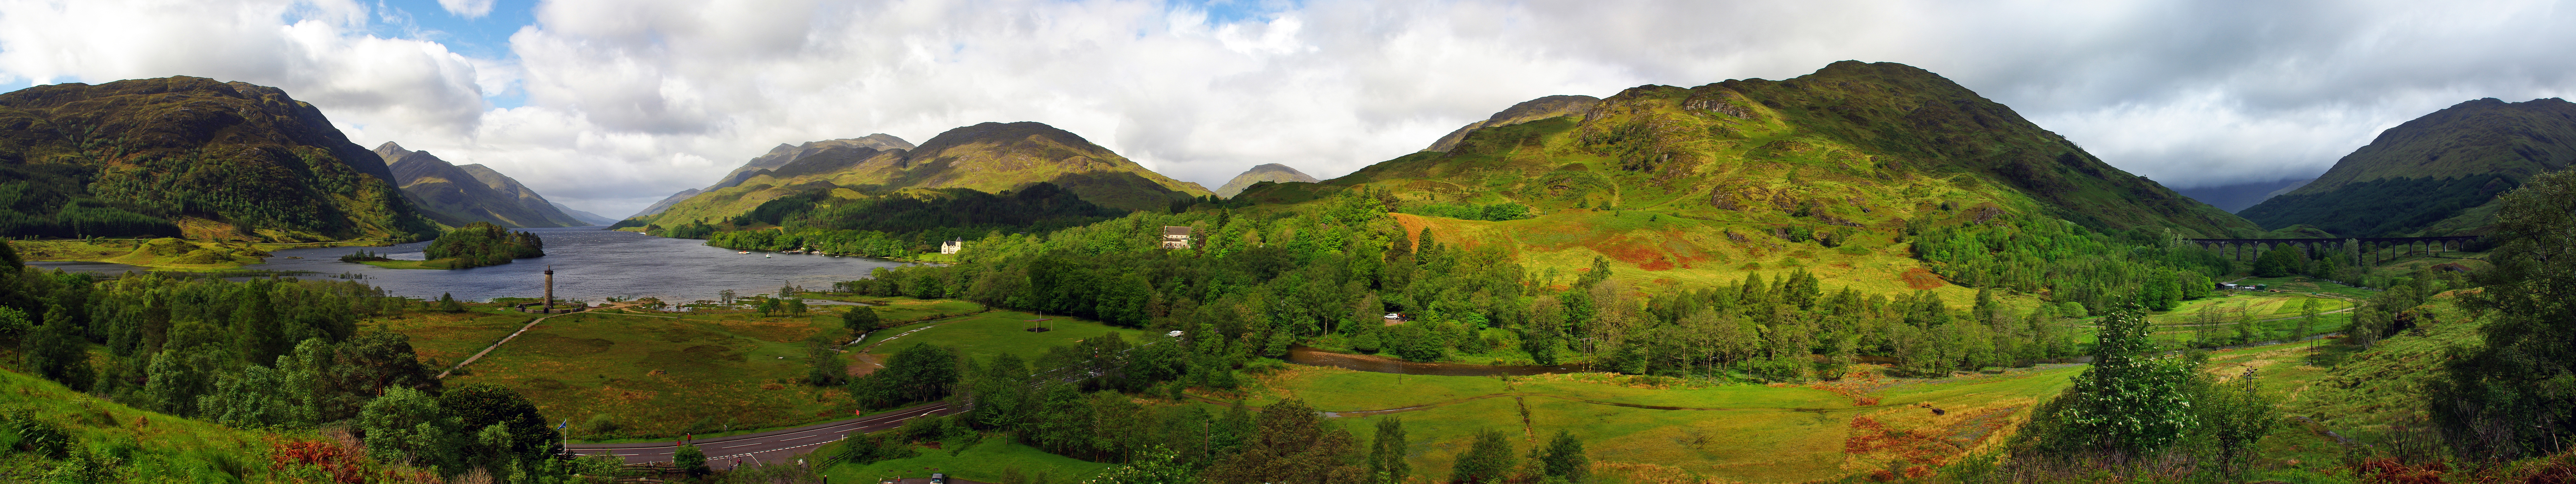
x,y
163,157
2435,175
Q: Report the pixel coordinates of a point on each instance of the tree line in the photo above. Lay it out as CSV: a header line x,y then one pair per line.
x,y
271,353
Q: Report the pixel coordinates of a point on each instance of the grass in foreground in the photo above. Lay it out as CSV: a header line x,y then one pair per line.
x,y
1751,433
984,461
153,447
654,377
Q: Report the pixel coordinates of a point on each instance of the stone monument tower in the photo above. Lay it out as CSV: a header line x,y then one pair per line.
x,y
550,289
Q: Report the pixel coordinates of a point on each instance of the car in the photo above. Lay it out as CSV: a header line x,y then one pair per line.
x,y
1394,316
936,478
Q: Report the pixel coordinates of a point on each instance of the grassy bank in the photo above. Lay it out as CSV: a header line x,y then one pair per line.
x,y
153,447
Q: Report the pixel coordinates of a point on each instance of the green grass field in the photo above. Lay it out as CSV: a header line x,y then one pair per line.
x,y
708,373
986,461
993,333
156,447
1752,433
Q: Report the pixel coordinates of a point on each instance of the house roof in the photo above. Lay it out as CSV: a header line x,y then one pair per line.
x,y
1170,230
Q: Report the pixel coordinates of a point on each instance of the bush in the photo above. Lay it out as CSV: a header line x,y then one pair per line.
x,y
1366,341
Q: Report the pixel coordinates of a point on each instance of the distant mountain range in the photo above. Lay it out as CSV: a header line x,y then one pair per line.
x,y
2434,175
2235,197
460,195
1272,172
585,217
210,159
988,157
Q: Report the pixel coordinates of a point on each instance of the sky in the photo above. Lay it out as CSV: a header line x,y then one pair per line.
x,y
609,105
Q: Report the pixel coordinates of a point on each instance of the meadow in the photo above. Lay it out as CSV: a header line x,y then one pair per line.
x,y
987,334
1650,429
655,375
987,460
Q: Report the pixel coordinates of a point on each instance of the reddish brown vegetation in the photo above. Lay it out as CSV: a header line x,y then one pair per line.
x,y
342,464
1921,279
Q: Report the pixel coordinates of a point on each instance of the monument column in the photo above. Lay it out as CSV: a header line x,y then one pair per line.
x,y
550,289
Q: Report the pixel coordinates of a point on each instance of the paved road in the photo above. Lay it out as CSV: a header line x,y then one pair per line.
x,y
770,447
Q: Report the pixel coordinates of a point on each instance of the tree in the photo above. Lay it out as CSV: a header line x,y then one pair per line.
x,y
690,460
825,366
2130,402
2509,398
860,320
1488,460
1288,444
403,427
795,306
725,297
2307,320
1387,451
1563,457
447,303
505,424
58,353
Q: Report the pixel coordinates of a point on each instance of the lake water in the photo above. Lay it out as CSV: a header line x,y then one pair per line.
x,y
590,264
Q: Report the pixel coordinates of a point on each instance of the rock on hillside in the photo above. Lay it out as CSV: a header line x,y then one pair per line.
x,y
1526,111
224,160
1272,172
1853,145
784,154
460,195
988,157
2434,175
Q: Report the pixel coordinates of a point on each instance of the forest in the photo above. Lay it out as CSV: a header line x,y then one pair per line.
x,y
484,244
894,224
271,354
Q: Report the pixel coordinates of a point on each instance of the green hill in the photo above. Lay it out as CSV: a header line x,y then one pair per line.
x,y
988,157
2435,175
188,154
460,195
1853,144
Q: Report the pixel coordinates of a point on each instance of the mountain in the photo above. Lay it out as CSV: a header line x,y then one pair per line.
x,y
584,217
657,207
988,157
1526,111
1854,144
784,154
190,155
2234,197
1272,172
460,195
2434,175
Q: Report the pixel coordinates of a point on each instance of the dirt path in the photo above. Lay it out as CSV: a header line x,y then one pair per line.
x,y
495,345
868,364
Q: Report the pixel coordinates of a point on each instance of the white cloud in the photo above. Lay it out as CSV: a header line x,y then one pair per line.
x,y
629,100
467,8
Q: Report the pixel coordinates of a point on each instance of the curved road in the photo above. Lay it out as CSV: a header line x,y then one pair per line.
x,y
767,447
